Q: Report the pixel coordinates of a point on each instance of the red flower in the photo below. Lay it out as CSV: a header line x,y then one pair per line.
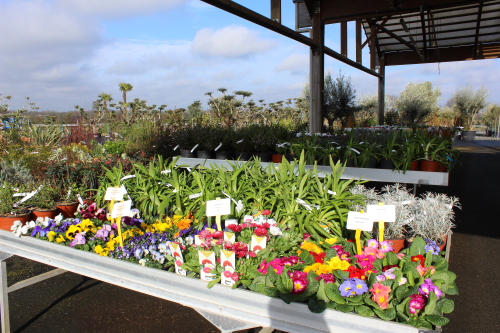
x,y
266,212
236,227
420,258
218,235
357,273
320,258
261,232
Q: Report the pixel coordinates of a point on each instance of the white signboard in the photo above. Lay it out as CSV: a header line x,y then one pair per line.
x,y
219,207
386,213
357,220
121,209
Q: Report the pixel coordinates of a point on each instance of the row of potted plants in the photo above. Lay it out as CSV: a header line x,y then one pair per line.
x,y
396,149
323,270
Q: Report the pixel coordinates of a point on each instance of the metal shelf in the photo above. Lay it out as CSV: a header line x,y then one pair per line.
x,y
377,175
228,309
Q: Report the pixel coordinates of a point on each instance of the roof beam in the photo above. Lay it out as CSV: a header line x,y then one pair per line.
x,y
478,27
444,54
340,10
249,15
376,30
328,51
424,35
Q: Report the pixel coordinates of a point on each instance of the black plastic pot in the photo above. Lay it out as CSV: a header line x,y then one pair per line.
x,y
372,163
264,157
188,153
350,163
386,164
243,155
290,157
224,155
206,154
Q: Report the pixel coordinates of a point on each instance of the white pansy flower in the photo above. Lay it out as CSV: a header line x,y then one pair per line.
x,y
275,231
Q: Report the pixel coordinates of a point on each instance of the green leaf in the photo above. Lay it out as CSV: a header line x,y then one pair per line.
x,y
447,276
312,288
440,263
213,283
322,291
341,274
344,308
452,289
333,293
422,323
392,258
431,304
378,265
369,301
401,292
353,300
401,307
417,247
364,311
271,292
437,320
445,305
316,306
387,314
289,298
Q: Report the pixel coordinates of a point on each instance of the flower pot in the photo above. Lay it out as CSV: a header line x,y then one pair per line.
x,y
468,135
386,164
350,163
442,242
187,153
7,221
243,155
442,168
50,213
264,157
431,166
277,158
397,244
291,157
415,165
206,154
224,155
372,163
68,211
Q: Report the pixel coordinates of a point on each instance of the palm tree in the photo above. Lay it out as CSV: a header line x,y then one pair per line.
x,y
125,87
105,98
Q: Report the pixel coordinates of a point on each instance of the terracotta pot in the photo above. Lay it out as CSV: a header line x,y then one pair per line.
x,y
443,246
415,165
431,166
43,213
277,158
397,244
7,222
67,211
442,167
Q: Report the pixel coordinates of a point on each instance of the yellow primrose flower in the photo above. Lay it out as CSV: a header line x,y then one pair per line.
x,y
60,239
324,269
337,263
313,267
99,249
51,235
311,247
162,227
332,240
178,217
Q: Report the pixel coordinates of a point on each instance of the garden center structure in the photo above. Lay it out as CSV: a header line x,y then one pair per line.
x,y
398,32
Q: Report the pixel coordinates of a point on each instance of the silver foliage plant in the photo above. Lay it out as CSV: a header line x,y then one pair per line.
x,y
430,216
433,216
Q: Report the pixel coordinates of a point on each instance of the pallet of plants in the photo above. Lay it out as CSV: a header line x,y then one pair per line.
x,y
283,232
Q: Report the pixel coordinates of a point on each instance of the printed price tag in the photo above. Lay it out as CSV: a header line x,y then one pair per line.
x,y
121,209
114,193
219,207
386,213
196,195
356,220
128,177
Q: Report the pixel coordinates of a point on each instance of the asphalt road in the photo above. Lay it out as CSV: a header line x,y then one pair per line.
x,y
73,303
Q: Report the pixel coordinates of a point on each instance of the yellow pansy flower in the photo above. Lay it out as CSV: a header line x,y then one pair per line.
x,y
332,240
60,239
51,235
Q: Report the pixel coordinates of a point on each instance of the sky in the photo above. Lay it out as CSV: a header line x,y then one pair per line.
x,y
63,53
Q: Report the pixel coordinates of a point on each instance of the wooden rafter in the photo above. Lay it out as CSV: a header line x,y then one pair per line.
x,y
422,22
376,30
478,27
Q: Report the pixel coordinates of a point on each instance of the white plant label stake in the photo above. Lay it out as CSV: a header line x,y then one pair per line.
x,y
382,213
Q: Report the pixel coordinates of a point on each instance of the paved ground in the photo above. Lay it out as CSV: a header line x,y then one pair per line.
x,y
72,303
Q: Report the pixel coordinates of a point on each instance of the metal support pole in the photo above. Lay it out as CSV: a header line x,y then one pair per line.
x,y
381,91
4,298
317,74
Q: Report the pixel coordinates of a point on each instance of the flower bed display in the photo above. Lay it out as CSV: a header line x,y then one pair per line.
x,y
285,239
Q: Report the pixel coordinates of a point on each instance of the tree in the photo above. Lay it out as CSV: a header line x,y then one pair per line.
x,y
417,103
105,99
367,115
469,102
227,107
339,100
195,110
125,87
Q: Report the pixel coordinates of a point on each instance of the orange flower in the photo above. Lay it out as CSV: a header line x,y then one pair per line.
x,y
184,224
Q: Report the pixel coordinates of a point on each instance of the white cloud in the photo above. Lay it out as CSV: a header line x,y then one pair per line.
x,y
231,42
119,8
295,63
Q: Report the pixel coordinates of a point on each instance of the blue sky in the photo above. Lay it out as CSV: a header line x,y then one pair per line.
x,y
66,52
